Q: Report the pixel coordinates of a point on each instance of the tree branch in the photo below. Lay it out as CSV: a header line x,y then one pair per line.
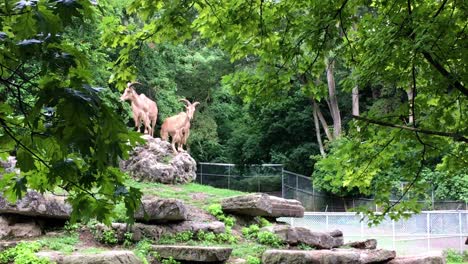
x,y
440,68
455,136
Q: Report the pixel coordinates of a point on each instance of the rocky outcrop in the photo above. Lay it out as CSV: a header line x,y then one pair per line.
x,y
37,205
300,235
156,162
140,231
156,209
327,256
260,204
366,244
106,257
418,260
194,253
11,227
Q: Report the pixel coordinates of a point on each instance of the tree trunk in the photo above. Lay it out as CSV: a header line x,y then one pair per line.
x,y
323,122
410,94
334,109
356,104
317,130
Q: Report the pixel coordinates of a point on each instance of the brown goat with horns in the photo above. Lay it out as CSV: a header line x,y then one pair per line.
x,y
178,126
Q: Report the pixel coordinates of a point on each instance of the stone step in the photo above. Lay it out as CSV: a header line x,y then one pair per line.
x,y
106,257
194,253
37,205
260,204
327,256
161,210
300,235
365,244
418,260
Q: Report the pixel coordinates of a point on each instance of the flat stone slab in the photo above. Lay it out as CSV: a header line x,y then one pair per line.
x,y
161,210
365,244
418,260
37,205
300,235
260,204
327,256
10,227
106,257
194,253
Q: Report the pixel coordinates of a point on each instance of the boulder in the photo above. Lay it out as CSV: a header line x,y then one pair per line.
x,y
155,162
327,256
194,253
365,244
300,235
418,260
37,205
161,210
106,257
140,230
260,204
11,227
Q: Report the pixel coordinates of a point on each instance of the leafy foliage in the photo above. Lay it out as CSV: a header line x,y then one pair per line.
x,y
23,253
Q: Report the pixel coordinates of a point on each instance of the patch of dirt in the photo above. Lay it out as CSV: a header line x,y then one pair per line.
x,y
200,215
87,239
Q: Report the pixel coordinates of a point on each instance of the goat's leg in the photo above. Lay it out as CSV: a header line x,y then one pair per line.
x,y
153,124
173,145
136,119
185,137
147,124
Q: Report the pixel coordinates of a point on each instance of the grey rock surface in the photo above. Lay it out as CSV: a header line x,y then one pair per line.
x,y
300,235
106,257
155,162
37,205
418,260
161,210
194,253
327,256
260,204
365,244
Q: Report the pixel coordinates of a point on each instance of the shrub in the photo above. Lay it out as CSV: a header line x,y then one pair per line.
x,y
217,211
108,237
451,255
128,239
268,238
250,232
64,243
253,260
23,253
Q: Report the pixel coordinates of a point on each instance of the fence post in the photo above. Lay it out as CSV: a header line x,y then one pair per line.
x,y
201,173
282,182
428,231
393,234
460,231
229,177
362,225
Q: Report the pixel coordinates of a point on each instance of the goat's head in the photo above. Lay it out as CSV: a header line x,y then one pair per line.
x,y
189,107
129,93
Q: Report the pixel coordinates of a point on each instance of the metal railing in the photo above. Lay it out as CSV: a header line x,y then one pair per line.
x,y
425,232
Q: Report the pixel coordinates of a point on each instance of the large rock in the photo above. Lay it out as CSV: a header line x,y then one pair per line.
x,y
156,162
11,227
418,260
194,253
350,256
300,235
260,204
365,244
140,231
161,210
106,257
37,205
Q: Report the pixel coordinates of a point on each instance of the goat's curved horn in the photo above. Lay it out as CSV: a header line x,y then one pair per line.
x,y
195,104
185,101
130,84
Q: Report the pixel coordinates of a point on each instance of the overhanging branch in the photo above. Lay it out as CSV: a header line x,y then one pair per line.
x,y
455,136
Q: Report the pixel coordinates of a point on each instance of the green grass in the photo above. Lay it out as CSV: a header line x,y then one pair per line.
x,y
65,243
207,194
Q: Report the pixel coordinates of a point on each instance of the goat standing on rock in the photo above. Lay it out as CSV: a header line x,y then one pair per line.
x,y
178,126
143,108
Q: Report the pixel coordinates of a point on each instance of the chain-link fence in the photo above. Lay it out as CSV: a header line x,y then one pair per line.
x,y
264,178
274,180
425,232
